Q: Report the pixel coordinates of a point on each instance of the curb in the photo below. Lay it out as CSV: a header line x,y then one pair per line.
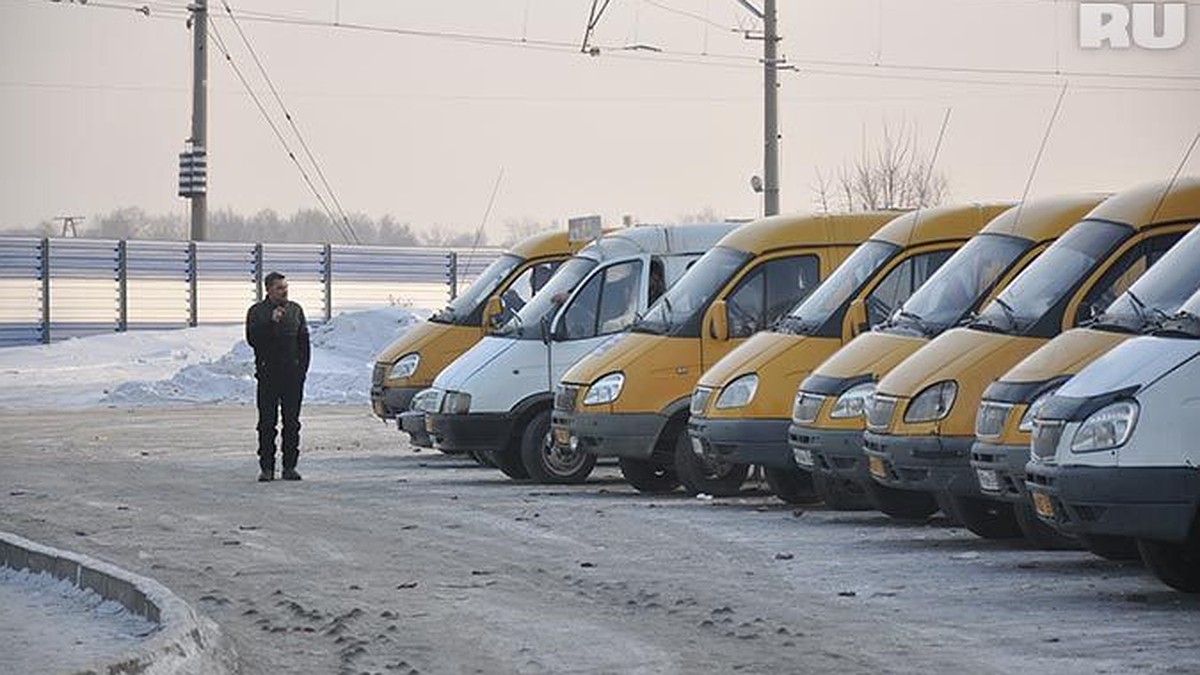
x,y
185,644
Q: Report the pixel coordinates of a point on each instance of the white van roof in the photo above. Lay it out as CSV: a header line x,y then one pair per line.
x,y
658,240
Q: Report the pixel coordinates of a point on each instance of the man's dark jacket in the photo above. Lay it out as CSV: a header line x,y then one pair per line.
x,y
280,349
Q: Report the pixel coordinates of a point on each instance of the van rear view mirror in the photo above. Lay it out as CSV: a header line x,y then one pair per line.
x,y
492,311
718,321
856,317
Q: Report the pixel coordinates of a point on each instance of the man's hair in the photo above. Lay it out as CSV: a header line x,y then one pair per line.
x,y
270,279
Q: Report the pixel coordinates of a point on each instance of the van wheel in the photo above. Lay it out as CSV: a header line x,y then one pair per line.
x,y
482,459
1112,547
1041,535
707,475
547,463
508,460
794,486
902,504
1175,564
841,494
987,518
647,476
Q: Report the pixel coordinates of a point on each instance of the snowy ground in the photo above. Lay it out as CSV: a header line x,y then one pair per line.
x,y
210,364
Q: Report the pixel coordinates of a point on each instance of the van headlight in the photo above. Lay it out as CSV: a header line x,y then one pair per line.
x,y
1033,409
605,389
405,366
933,403
456,403
738,393
852,402
1106,428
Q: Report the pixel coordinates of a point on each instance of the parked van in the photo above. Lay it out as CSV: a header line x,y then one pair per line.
x,y
827,415
1115,452
1005,418
495,399
921,419
741,406
629,399
409,364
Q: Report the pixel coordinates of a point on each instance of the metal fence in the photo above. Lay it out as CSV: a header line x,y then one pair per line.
x,y
51,289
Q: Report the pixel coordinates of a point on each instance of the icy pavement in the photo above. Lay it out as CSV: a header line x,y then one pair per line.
x,y
51,626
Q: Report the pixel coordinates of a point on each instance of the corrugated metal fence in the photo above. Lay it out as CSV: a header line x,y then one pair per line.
x,y
51,289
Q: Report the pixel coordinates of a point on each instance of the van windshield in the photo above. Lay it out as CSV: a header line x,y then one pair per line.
x,y
960,283
464,309
527,323
1186,322
1052,277
833,293
680,310
1159,293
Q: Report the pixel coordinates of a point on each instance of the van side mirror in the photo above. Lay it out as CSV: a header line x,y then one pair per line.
x,y
856,317
492,312
718,321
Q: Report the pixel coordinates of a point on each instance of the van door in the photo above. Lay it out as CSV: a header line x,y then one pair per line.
x,y
763,293
606,304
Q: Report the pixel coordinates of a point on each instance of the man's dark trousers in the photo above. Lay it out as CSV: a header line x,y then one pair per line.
x,y
276,394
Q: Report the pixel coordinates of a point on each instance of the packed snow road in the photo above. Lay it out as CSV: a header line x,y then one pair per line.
x,y
383,560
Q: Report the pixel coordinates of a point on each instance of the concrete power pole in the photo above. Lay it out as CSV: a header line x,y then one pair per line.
x,y
199,140
771,109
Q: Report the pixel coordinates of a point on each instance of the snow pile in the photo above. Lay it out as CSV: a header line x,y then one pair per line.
x,y
210,364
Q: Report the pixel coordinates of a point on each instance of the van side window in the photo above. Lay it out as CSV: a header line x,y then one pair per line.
x,y
769,292
903,280
607,304
658,281
1120,275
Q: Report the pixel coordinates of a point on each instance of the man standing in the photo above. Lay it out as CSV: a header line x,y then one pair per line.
x,y
278,332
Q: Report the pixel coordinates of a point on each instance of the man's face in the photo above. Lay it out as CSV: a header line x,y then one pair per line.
x,y
277,293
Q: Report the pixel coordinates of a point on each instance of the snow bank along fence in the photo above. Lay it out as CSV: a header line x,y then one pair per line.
x,y
61,288
185,643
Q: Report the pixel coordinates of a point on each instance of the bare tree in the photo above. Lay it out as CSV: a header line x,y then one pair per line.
x,y
896,175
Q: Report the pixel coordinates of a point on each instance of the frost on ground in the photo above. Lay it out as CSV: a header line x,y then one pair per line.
x,y
209,364
57,627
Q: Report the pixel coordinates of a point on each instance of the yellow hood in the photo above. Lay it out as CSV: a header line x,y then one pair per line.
x,y
658,370
1066,354
781,362
438,344
874,354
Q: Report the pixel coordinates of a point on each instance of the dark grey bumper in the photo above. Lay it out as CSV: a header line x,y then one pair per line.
x,y
473,431
837,454
611,435
931,464
1008,462
1148,503
745,441
389,402
413,423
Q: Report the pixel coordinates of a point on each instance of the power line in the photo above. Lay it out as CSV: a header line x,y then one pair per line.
x,y
295,130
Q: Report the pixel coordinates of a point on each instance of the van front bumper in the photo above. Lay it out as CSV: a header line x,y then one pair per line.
x,y
933,464
1000,470
389,402
413,423
469,432
835,454
1148,503
608,435
744,441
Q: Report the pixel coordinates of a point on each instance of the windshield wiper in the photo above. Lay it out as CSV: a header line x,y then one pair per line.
x,y
1009,312
924,326
1183,324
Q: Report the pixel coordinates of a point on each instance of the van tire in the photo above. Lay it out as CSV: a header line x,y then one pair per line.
x,y
794,486
649,477
987,518
902,504
841,494
700,477
1110,547
1176,564
508,460
1041,535
546,464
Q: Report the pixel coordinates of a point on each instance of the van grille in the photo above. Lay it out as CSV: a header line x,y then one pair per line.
x,y
991,418
807,407
378,374
880,410
700,400
565,397
1046,435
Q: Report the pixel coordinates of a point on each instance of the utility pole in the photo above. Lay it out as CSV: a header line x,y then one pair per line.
x,y
771,64
193,177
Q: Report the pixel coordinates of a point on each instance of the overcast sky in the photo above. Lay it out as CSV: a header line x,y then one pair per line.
x,y
95,104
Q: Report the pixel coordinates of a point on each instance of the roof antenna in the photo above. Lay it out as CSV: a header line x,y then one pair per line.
x,y
1175,177
1038,160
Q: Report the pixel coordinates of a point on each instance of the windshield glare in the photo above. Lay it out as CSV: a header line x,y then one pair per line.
x,y
685,301
461,309
1161,291
528,322
846,280
1054,274
967,276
